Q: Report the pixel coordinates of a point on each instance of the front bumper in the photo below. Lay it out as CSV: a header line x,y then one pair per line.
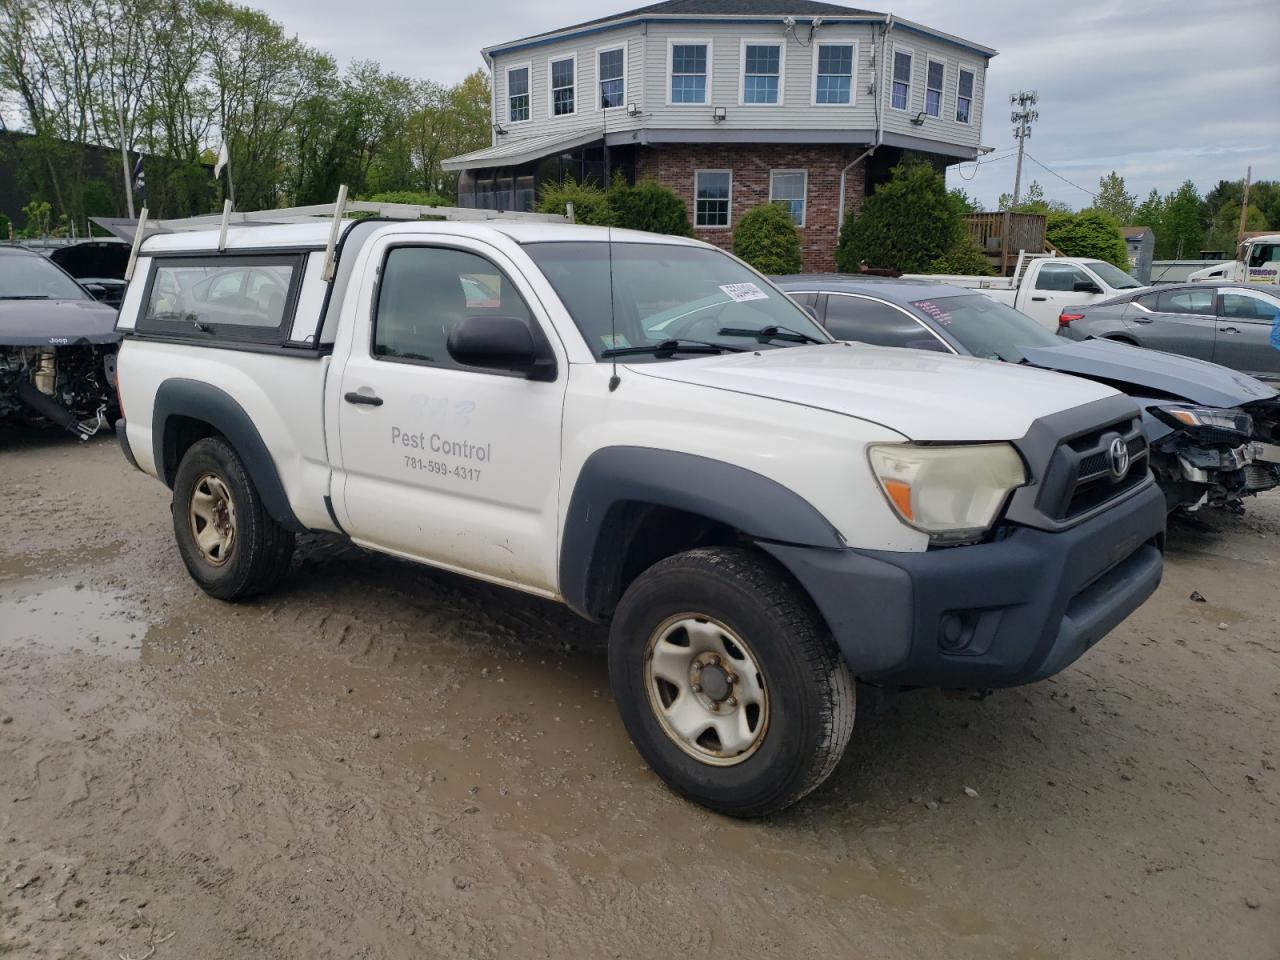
x,y
998,614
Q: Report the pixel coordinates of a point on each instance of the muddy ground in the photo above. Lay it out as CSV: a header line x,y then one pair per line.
x,y
383,761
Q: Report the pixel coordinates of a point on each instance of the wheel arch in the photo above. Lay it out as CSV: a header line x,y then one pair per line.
x,y
187,411
634,506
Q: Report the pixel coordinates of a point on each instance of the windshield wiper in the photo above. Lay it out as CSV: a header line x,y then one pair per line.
x,y
771,332
25,296
672,346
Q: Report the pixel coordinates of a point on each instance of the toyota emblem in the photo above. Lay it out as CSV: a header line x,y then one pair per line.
x,y
1118,457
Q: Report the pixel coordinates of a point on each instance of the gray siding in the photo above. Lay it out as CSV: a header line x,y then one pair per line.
x,y
648,81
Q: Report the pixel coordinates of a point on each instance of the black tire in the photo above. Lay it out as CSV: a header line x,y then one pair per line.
x,y
811,700
259,554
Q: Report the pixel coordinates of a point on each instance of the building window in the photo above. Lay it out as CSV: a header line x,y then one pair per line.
x,y
934,76
900,92
833,82
689,72
562,84
713,193
964,96
613,82
518,94
788,188
761,72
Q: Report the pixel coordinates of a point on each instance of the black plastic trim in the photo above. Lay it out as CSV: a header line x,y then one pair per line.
x,y
208,404
754,505
122,437
287,349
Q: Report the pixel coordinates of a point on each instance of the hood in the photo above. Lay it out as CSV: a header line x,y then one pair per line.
x,y
1151,372
920,394
42,323
95,259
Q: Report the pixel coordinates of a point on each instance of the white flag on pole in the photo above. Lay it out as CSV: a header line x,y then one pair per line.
x,y
222,160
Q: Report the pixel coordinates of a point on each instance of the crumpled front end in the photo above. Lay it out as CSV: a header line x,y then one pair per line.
x,y
64,385
1264,472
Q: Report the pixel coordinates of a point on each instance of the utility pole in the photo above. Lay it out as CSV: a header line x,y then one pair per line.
x,y
1023,117
1244,207
124,163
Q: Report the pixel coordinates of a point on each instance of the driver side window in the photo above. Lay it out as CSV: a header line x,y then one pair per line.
x,y
425,291
1061,277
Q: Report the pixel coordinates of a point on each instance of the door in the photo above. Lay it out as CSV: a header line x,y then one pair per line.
x,y
452,465
1179,320
1053,287
1248,331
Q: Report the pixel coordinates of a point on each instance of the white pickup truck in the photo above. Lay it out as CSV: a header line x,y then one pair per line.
x,y
1259,263
647,430
1042,285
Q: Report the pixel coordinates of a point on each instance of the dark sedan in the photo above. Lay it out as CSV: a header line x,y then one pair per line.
x,y
1215,433
1234,324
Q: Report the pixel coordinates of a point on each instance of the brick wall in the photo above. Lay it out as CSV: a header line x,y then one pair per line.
x,y
674,165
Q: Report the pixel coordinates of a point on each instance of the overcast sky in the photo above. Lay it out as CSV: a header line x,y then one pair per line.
x,y
1158,91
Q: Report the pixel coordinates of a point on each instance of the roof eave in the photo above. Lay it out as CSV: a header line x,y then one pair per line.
x,y
556,35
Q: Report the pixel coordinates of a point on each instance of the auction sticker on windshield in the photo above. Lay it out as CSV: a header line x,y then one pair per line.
x,y
742,292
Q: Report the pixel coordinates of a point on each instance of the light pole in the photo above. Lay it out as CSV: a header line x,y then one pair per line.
x,y
1023,117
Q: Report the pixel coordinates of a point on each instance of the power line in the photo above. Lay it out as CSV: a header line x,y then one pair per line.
x,y
979,161
1062,178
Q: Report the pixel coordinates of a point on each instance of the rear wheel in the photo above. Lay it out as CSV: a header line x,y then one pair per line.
x,y
728,681
230,544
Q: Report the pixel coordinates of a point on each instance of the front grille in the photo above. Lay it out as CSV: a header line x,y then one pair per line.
x,y
1261,476
1079,479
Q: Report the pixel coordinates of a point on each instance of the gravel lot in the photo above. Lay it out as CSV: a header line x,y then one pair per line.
x,y
383,761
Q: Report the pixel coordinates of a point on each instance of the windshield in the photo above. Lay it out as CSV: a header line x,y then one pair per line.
x,y
1113,276
24,277
985,328
666,292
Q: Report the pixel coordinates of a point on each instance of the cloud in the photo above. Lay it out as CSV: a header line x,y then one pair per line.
x,y
1159,90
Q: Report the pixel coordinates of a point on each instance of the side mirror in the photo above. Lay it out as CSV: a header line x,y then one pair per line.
x,y
500,343
1085,286
811,310
96,290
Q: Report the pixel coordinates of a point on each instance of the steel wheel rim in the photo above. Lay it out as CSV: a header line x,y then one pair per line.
x,y
706,689
212,515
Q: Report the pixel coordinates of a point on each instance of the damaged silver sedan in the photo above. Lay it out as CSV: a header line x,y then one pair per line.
x,y
55,342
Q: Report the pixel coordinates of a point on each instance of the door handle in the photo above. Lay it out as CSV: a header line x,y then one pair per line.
x,y
1228,330
367,399
1139,319
1039,299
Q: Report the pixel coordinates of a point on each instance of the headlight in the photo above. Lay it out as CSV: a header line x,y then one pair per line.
x,y
951,493
1181,415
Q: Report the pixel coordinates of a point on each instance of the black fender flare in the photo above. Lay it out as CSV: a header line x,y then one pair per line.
x,y
753,504
211,405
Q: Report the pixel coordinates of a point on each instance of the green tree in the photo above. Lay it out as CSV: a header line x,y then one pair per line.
x,y
766,237
1033,201
1181,234
1089,233
907,224
964,203
649,206
590,203
1114,199
964,257
1224,233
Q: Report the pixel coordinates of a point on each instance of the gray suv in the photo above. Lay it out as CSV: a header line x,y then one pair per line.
x,y
1234,324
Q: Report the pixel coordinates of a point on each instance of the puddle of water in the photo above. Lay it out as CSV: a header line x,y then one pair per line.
x,y
57,617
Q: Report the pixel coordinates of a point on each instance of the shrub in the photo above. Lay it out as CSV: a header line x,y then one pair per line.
x,y
909,223
766,237
1089,233
649,206
590,203
4,227
418,197
964,257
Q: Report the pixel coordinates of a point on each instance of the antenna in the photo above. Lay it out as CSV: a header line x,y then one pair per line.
x,y
613,319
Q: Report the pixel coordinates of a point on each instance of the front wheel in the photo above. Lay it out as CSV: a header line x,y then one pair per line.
x,y
232,547
728,681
